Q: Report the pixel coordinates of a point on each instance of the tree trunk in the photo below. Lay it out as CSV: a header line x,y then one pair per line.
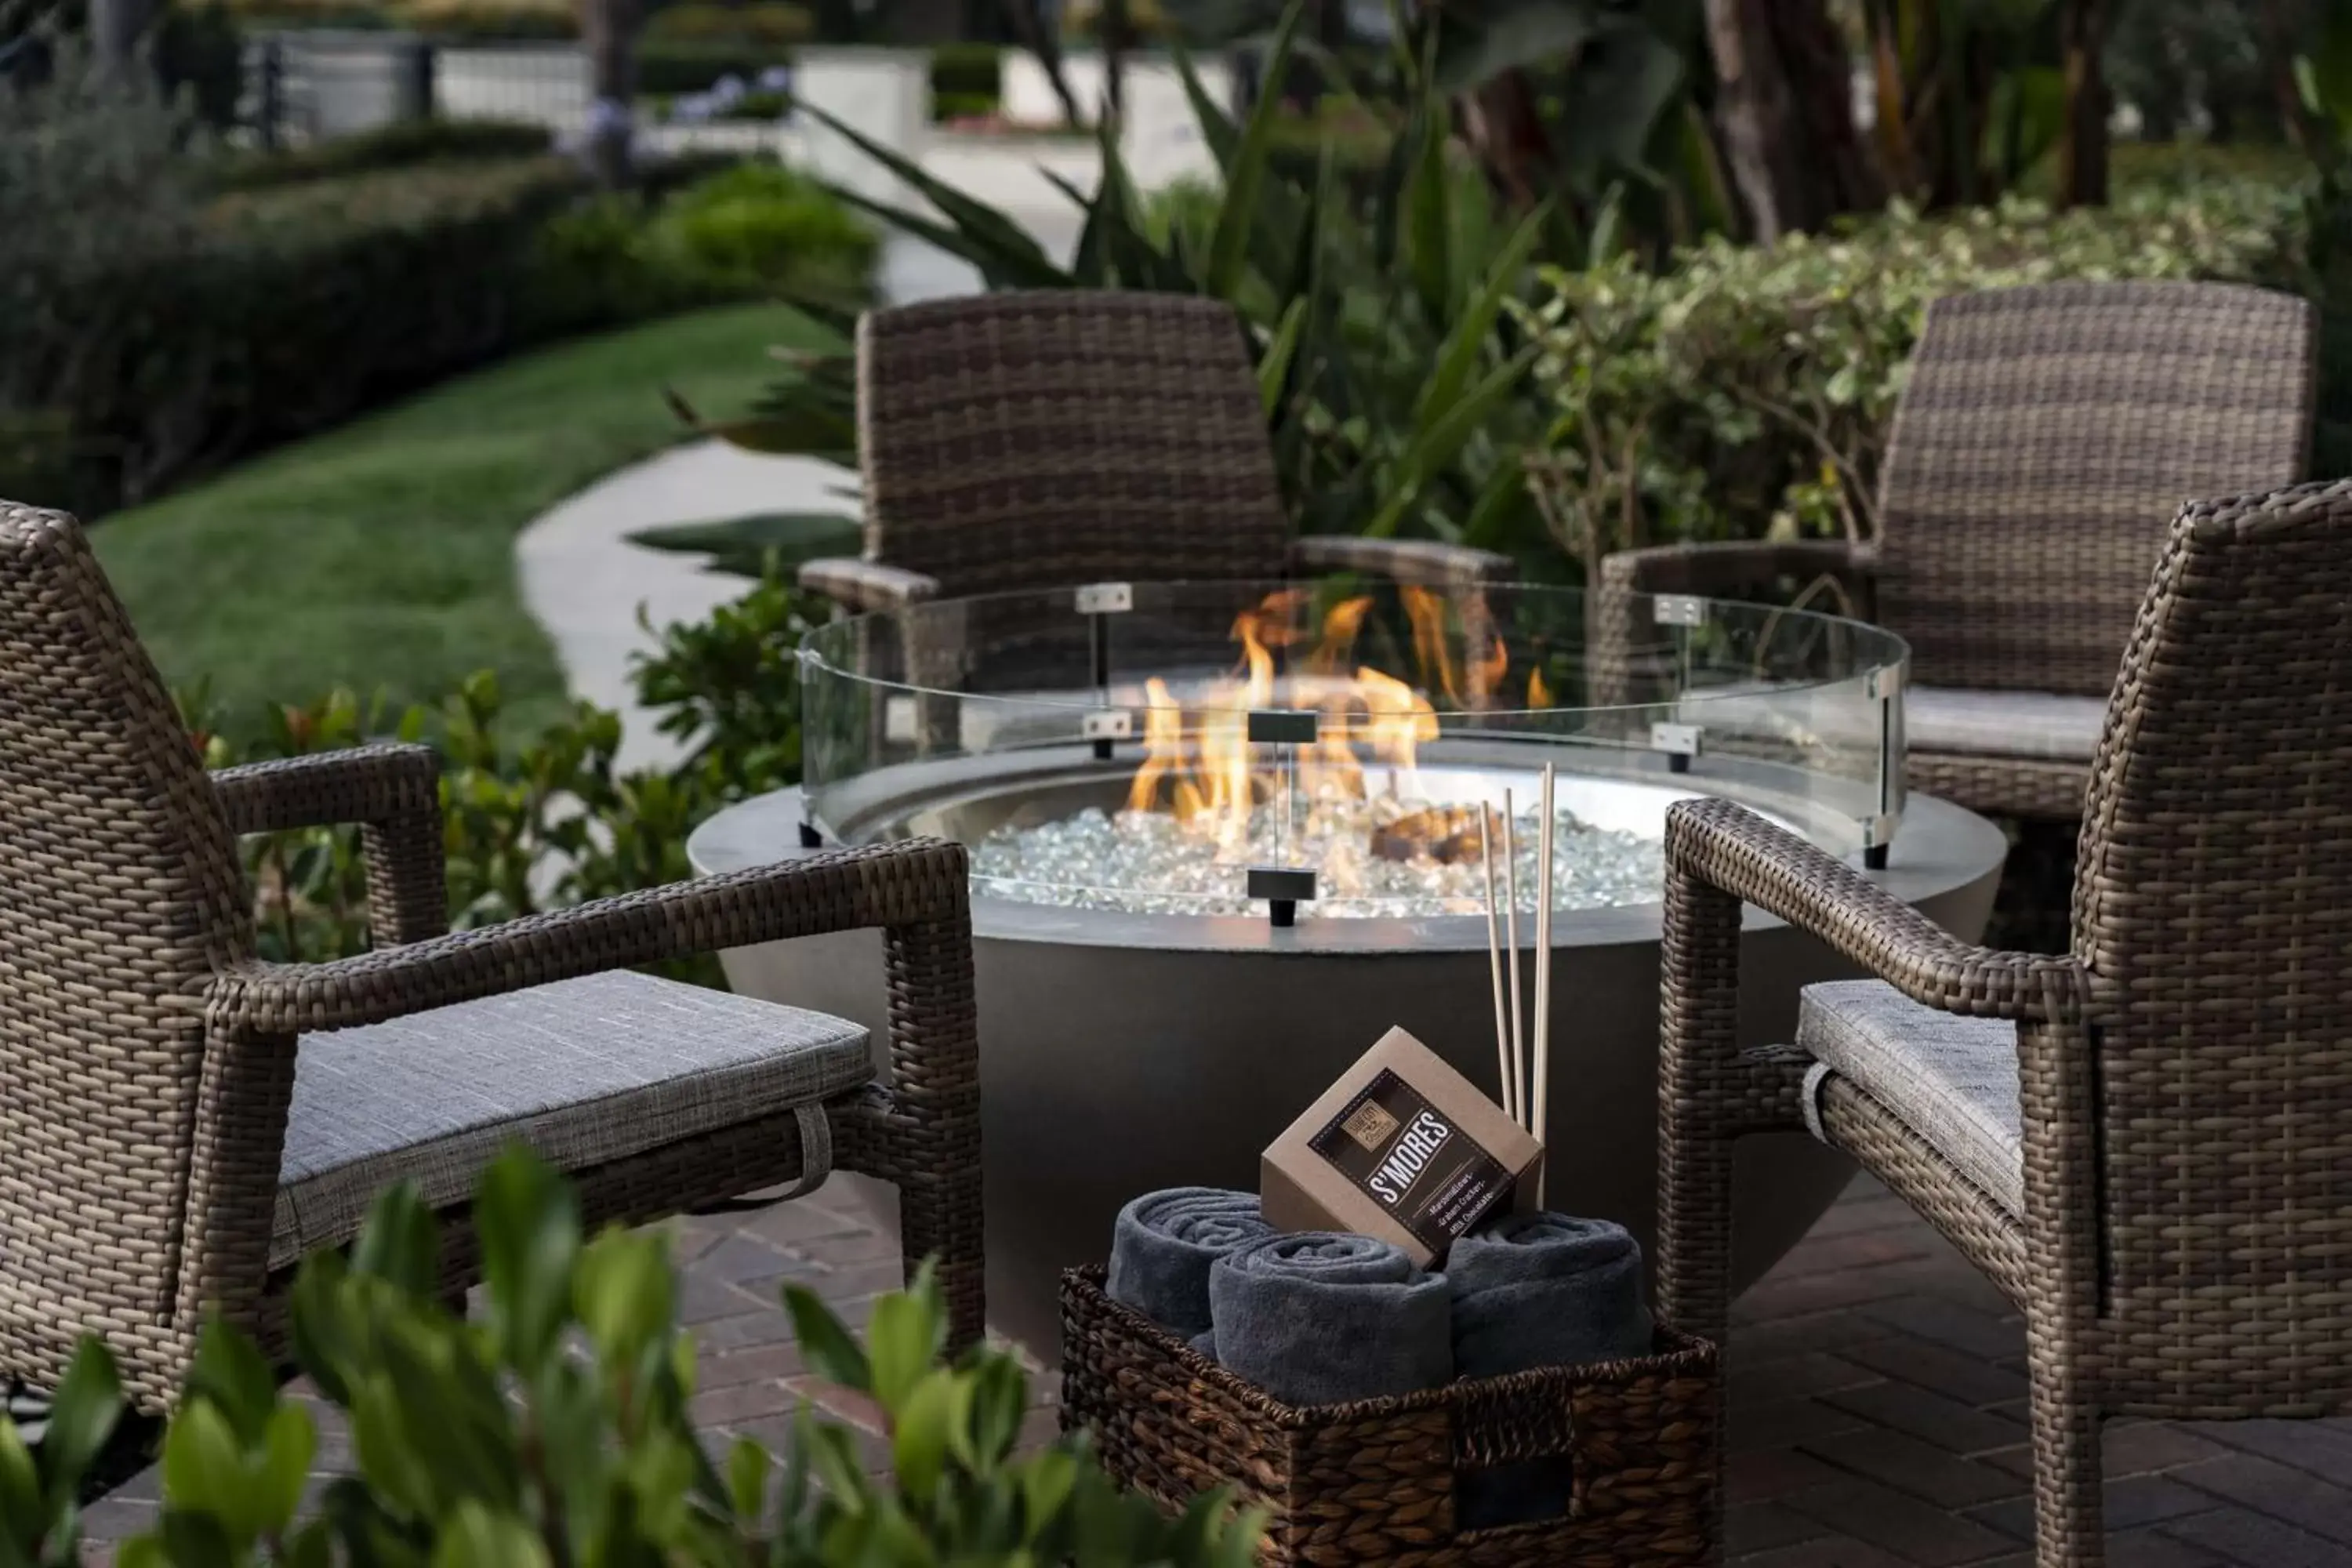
x,y
2278,35
1784,99
2082,148
609,29
115,28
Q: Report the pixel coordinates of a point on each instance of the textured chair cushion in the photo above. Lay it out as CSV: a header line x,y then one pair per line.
x,y
1952,1080
2043,725
585,1070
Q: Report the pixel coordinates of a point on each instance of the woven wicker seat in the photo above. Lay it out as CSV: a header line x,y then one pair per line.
x,y
1038,439
2183,1107
2043,437
180,1121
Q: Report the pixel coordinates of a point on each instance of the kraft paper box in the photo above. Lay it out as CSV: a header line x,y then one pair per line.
x,y
1404,1148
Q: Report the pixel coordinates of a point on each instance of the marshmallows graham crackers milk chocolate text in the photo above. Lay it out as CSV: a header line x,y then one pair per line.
x,y
1402,1147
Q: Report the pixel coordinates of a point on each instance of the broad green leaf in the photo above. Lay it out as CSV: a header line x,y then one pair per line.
x,y
1483,45
474,1537
1274,365
624,1292
20,1485
286,1447
741,545
229,1371
1469,341
1428,227
1223,137
1045,1484
903,1338
1001,248
826,1345
399,1243
528,1224
748,1466
1245,176
919,1440
87,1406
205,1471
1434,446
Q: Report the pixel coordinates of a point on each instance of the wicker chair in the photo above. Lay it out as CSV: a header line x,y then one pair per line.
x,y
2044,434
1030,440
2148,1144
178,1127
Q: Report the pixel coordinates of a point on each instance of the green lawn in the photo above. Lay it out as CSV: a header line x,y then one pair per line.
x,y
380,555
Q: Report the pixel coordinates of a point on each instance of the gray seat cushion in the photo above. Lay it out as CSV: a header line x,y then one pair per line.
x,y
586,1071
2043,725
1952,1080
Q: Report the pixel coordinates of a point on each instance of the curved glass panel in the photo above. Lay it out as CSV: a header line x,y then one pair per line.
x,y
1327,747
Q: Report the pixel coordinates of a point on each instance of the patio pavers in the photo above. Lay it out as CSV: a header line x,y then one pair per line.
x,y
1877,1385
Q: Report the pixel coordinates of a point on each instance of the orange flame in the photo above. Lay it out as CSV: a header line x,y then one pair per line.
x,y
1538,693
1201,760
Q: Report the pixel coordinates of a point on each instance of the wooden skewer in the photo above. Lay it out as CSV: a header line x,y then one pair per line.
x,y
1542,1109
1494,963
1511,933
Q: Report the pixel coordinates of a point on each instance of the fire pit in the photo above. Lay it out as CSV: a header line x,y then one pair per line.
x,y
1198,813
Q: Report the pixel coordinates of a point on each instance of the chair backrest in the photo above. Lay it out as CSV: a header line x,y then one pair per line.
x,y
120,895
1036,439
2045,434
2213,908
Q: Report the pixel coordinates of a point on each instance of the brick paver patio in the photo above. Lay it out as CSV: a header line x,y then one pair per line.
x,y
1878,1396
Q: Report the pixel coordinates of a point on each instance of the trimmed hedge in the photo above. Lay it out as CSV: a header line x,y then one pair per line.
x,y
667,70
400,145
766,25
295,304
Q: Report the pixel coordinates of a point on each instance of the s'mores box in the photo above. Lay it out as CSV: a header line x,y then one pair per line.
x,y
1402,1147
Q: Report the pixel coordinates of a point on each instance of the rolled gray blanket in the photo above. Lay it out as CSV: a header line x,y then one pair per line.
x,y
1540,1289
1546,1289
1322,1316
1163,1243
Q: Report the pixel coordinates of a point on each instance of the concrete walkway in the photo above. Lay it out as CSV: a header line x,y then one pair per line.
x,y
583,581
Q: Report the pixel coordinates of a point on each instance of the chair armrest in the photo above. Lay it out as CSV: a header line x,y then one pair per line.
x,y
391,790
866,584
1731,849
900,886
374,782
1421,561
1735,568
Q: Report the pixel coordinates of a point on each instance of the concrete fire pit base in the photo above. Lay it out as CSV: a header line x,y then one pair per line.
x,y
1122,1053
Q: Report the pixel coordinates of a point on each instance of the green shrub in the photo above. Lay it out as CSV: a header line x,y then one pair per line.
x,y
556,1428
400,145
667,70
542,821
950,106
168,344
1748,391
489,19
973,70
768,23
764,226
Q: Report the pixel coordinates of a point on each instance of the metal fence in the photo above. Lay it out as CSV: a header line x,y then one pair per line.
x,y
312,85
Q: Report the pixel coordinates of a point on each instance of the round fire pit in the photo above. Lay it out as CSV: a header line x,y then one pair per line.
x,y
1225,835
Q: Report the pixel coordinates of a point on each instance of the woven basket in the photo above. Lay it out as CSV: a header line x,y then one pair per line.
x,y
1375,1481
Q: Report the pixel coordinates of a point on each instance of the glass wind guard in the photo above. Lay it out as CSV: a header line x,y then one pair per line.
x,y
1150,750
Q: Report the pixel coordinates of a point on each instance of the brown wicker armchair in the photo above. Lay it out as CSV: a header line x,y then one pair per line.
x,y
2043,435
1029,440
181,1121
2148,1144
